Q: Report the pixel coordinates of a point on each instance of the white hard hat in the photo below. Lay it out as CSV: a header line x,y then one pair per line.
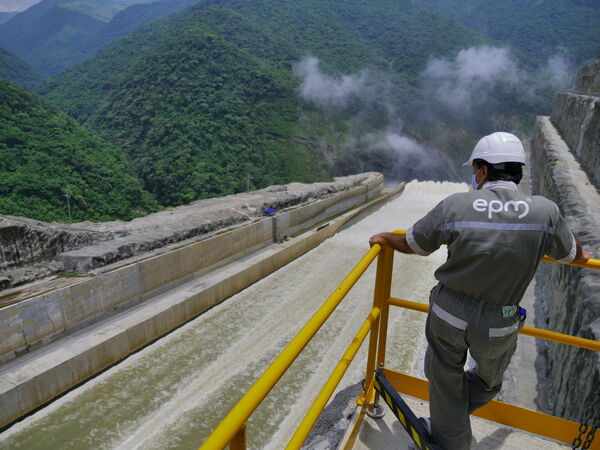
x,y
497,148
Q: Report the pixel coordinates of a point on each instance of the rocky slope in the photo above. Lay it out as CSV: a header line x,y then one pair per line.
x,y
577,116
588,78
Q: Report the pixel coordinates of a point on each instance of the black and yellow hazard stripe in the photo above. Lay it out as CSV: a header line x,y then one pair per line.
x,y
401,410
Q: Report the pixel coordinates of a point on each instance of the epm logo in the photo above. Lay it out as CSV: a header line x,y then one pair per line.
x,y
496,206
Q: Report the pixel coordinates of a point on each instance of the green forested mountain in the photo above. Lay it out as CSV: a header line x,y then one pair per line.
x,y
37,34
18,71
56,34
46,156
231,92
539,28
103,10
204,98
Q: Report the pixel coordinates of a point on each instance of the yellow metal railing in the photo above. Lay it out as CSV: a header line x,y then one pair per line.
x,y
233,423
232,430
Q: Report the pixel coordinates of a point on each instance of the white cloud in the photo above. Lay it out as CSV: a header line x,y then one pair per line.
x,y
379,143
560,70
476,74
402,145
324,90
462,81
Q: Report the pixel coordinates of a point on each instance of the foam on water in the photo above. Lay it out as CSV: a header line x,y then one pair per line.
x,y
174,392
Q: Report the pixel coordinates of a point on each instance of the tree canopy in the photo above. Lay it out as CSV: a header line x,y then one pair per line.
x,y
45,157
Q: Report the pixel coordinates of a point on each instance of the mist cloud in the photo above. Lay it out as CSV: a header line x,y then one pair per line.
x,y
560,71
462,81
482,85
477,74
325,90
375,139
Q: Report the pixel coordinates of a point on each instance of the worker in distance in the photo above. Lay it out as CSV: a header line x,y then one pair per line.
x,y
496,237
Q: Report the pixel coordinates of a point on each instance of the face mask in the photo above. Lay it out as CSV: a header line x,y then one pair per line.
x,y
474,184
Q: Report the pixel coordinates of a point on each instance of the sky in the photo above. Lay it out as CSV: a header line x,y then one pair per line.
x,y
16,5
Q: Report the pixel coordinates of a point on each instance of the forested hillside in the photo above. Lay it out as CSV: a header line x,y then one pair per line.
x,y
37,34
57,34
103,10
208,97
234,94
46,157
537,28
18,71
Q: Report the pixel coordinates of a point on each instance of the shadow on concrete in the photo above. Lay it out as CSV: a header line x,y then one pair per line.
x,y
494,440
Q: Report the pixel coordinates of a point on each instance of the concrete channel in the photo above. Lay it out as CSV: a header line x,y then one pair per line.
x,y
53,342
171,394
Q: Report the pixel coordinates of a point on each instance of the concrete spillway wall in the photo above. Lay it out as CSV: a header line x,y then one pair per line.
x,y
52,342
570,295
566,166
30,324
31,249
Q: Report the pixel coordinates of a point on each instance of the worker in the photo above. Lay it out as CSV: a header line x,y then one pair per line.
x,y
496,237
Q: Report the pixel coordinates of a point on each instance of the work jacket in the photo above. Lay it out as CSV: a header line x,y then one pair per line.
x,y
496,237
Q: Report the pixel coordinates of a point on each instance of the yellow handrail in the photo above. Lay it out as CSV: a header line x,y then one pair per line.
x,y
232,428
591,264
529,331
240,413
321,401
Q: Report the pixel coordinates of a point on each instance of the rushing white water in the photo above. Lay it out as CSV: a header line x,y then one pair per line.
x,y
174,392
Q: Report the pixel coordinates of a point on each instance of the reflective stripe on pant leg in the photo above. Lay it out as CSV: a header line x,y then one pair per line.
x,y
448,392
492,351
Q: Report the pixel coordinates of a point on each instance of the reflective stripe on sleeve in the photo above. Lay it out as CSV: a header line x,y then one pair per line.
x,y
501,332
448,318
571,256
410,240
500,226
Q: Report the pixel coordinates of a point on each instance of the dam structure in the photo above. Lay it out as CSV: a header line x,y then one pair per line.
x,y
174,392
151,350
566,169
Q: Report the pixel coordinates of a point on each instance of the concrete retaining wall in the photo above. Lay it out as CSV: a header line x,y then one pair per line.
x,y
570,295
35,322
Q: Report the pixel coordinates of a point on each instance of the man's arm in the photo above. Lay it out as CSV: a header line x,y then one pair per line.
x,y
396,241
581,256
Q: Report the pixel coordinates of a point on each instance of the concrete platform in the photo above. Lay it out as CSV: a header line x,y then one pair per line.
x,y
388,433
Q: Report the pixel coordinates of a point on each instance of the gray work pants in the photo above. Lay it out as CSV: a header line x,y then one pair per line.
x,y
455,324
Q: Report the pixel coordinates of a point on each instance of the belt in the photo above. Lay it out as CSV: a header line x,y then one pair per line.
x,y
503,310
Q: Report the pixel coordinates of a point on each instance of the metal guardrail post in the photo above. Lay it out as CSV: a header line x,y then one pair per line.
x,y
383,279
387,257
239,440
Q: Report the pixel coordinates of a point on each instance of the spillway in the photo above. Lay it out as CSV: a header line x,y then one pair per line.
x,y
174,392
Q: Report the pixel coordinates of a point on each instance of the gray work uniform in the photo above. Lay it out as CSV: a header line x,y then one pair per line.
x,y
496,238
